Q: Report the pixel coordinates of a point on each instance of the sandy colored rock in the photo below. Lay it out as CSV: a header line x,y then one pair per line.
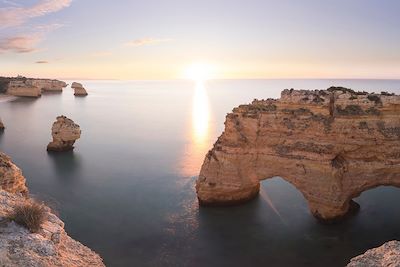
x,y
387,255
11,178
65,132
21,88
330,144
51,246
79,90
47,84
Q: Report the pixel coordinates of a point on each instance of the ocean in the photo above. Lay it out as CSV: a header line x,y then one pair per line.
x,y
127,190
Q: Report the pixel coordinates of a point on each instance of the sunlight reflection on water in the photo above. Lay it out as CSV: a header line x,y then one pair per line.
x,y
199,131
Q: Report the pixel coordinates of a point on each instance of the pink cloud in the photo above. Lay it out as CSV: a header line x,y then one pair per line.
x,y
20,44
147,41
14,16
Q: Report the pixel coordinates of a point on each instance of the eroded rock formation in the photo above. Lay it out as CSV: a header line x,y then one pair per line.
x,y
22,88
11,178
2,127
47,84
79,90
330,144
384,256
51,246
65,132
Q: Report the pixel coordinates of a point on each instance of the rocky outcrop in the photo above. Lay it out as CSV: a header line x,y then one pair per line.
x,y
22,88
65,132
384,256
47,84
2,127
79,90
51,246
11,178
330,144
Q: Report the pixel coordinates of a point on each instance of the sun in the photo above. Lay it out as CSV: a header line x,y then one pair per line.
x,y
199,72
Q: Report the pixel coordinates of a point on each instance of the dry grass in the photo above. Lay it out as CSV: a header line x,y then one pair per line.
x,y
30,214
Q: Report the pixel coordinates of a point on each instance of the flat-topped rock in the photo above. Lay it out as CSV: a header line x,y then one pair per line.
x,y
21,88
51,246
65,132
47,84
387,255
11,178
330,144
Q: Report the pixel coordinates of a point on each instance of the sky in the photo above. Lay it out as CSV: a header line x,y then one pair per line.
x,y
230,39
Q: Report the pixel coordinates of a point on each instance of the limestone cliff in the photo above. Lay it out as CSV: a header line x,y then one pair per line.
x,y
11,178
384,256
51,246
330,144
47,84
65,132
29,87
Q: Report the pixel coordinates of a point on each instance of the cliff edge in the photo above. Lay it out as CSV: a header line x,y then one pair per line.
x,y
330,144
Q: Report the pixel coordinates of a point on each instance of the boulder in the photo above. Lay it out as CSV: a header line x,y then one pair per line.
x,y
387,255
65,132
330,144
11,178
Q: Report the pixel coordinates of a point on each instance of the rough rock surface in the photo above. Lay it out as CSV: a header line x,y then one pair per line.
x,y
51,246
11,178
47,84
21,88
384,256
330,144
79,90
65,132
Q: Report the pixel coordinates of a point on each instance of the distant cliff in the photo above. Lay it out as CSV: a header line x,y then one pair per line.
x,y
22,86
330,144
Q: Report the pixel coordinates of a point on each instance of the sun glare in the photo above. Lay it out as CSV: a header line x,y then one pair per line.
x,y
199,72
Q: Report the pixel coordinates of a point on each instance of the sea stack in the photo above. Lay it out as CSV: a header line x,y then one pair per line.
x,y
332,145
65,132
79,90
11,178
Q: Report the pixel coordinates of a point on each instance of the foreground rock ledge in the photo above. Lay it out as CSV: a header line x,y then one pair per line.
x,y
65,132
51,246
11,178
384,256
330,144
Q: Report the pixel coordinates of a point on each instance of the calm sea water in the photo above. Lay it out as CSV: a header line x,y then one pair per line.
x,y
127,190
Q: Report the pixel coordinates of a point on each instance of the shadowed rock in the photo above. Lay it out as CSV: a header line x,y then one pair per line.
x,y
65,132
330,144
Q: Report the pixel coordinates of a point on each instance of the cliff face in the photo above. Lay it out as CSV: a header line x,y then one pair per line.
x,y
386,255
21,86
330,144
11,178
51,246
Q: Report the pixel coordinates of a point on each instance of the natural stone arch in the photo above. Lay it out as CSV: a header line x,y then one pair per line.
x,y
324,144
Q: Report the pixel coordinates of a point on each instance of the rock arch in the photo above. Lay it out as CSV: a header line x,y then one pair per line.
x,y
331,145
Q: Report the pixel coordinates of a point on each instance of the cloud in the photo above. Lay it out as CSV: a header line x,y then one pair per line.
x,y
20,44
41,62
147,41
14,16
